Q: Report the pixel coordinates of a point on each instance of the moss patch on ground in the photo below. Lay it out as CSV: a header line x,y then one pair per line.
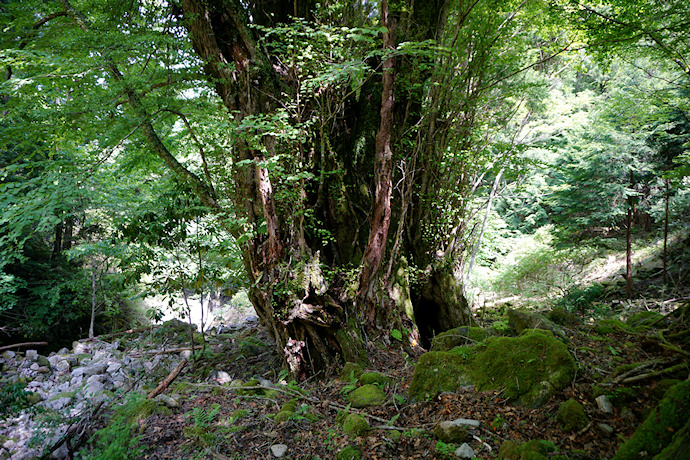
x,y
366,396
656,432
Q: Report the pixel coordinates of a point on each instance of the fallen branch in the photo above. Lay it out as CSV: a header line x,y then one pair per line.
x,y
643,367
161,352
25,344
168,380
116,334
649,375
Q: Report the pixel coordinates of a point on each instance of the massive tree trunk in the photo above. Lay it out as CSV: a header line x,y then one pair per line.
x,y
315,322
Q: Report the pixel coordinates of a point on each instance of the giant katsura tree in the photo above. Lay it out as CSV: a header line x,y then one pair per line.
x,y
338,142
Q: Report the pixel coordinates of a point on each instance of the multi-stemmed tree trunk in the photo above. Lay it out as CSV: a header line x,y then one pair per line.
x,y
346,153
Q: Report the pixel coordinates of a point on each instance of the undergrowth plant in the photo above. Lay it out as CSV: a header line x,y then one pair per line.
x,y
119,440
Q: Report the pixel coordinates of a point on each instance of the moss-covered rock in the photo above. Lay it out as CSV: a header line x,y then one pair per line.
x,y
571,415
436,372
451,432
530,450
351,370
560,315
355,425
283,416
366,396
459,336
531,368
349,453
520,321
656,432
374,378
250,388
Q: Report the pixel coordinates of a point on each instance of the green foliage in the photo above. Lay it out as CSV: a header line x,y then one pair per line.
x,y
119,440
446,450
579,298
13,398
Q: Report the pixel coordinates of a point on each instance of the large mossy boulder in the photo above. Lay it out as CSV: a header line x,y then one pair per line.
x,y
656,432
531,368
457,337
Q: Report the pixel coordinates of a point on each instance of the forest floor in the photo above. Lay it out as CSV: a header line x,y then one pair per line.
x,y
242,426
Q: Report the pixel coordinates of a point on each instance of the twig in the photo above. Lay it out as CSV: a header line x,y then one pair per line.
x,y
25,344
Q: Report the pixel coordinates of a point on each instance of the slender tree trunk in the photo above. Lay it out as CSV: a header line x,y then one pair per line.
x,y
665,274
628,243
486,217
93,300
369,280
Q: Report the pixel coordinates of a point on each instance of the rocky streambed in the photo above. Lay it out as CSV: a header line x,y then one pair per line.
x,y
66,386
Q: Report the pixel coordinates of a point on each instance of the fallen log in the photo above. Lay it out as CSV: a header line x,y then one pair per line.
x,y
116,334
168,380
24,344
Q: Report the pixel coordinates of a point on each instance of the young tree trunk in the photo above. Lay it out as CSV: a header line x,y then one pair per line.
x,y
628,243
666,206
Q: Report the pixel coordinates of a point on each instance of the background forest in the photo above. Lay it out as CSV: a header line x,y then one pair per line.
x,y
338,161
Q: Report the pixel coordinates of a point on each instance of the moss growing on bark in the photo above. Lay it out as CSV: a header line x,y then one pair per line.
x,y
656,432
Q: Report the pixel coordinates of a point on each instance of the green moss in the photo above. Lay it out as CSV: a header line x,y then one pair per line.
x,y
351,370
571,415
355,425
448,340
290,405
351,344
531,367
611,326
656,432
521,321
283,416
530,450
644,320
451,433
679,447
436,372
394,436
371,378
561,315
349,453
366,396
249,390
162,410
659,391
619,397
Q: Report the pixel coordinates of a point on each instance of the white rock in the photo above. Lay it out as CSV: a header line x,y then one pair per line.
x,y
80,348
8,354
604,404
464,451
113,367
94,388
63,351
62,367
31,354
279,450
186,354
34,367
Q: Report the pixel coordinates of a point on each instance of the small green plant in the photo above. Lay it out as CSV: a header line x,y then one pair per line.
x,y
350,386
579,298
13,398
202,417
447,450
501,325
118,441
397,335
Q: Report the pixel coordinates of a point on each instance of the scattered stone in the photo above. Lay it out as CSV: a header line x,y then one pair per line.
x,y
604,404
167,401
366,396
62,367
31,354
449,431
464,451
186,354
279,450
34,367
606,430
8,354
